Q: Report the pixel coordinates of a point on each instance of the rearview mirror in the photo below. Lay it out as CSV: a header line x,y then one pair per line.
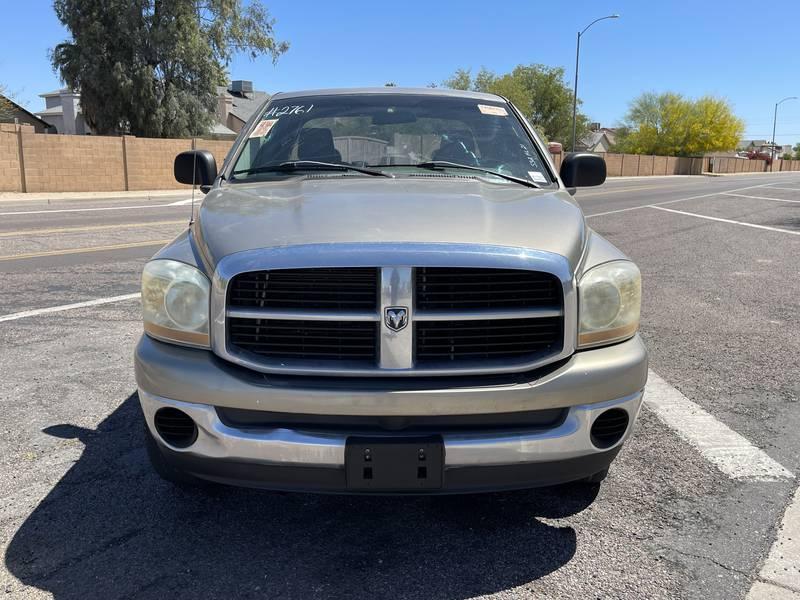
x,y
393,116
195,167
581,169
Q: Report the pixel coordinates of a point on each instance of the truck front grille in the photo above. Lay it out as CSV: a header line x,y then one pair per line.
x,y
331,321
307,340
454,341
445,289
340,289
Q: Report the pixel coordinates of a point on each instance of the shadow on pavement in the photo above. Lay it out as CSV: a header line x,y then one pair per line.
x,y
111,528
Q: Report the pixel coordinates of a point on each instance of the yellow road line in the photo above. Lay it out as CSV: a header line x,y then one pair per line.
x,y
21,232
82,250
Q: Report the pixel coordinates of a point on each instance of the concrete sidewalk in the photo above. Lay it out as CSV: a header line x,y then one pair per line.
x,y
19,196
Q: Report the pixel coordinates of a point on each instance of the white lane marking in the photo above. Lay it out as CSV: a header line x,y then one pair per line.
x,y
731,221
620,210
63,307
184,202
775,187
73,210
719,444
761,197
782,566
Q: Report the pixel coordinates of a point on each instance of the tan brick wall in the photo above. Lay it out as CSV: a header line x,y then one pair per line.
x,y
630,165
150,163
60,163
613,165
71,163
9,162
646,165
219,148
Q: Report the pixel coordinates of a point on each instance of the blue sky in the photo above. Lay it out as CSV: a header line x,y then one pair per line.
x,y
694,48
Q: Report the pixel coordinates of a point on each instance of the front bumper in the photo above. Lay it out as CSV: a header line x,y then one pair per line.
x,y
196,382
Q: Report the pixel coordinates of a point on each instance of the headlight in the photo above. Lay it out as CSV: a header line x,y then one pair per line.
x,y
175,299
609,298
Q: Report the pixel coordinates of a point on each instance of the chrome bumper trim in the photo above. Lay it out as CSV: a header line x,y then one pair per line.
x,y
321,449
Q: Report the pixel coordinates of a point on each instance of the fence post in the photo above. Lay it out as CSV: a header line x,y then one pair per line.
x,y
23,184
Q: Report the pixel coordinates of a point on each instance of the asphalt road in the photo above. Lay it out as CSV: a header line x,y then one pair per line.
x,y
82,514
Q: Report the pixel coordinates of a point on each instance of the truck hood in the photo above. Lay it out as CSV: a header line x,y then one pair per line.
x,y
331,210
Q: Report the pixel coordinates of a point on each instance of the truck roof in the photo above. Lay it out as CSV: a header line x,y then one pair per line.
x,y
389,90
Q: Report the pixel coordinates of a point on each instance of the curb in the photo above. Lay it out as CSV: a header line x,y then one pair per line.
x,y
145,194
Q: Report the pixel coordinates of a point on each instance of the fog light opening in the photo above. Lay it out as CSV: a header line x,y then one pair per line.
x,y
609,428
175,427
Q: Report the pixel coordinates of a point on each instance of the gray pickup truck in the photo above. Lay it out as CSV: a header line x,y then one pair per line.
x,y
389,291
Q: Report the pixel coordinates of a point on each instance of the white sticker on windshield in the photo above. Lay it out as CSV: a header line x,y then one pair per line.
x,y
537,177
263,128
497,111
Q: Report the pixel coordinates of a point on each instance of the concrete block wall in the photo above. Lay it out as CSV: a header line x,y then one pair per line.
x,y
613,165
150,162
61,163
9,159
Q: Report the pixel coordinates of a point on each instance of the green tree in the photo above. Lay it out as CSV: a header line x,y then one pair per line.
x,y
6,107
670,124
150,67
797,152
540,92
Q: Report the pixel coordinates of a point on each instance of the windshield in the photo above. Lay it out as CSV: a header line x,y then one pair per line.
x,y
390,133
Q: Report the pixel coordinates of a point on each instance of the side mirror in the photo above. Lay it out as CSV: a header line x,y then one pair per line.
x,y
195,167
581,169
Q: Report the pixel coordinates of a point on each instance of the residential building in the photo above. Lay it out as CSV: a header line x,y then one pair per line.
x,y
11,112
63,110
599,139
235,105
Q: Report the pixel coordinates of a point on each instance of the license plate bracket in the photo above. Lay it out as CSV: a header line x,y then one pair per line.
x,y
394,464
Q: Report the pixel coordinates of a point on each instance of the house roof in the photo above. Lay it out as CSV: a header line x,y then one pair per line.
x,y
58,93
593,138
220,129
753,143
243,105
54,110
26,111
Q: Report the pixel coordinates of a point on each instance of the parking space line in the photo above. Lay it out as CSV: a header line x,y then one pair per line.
x,y
82,250
63,307
621,210
721,220
761,197
727,450
782,566
774,187
6,234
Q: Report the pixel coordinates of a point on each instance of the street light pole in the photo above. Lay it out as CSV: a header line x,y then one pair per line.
x,y
577,62
774,123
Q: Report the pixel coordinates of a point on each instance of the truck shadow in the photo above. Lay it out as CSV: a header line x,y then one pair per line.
x,y
111,528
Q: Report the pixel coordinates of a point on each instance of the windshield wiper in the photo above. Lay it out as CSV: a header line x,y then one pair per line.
x,y
296,165
444,164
